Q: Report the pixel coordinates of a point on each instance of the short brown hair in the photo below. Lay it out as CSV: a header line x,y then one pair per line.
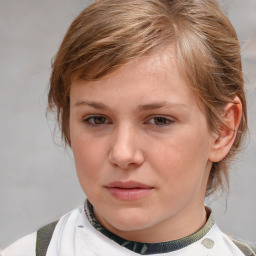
x,y
109,33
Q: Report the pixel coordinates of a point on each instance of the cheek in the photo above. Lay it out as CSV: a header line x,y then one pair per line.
x,y
88,156
88,164
180,159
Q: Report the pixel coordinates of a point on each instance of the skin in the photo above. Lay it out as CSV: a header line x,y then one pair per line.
x,y
142,123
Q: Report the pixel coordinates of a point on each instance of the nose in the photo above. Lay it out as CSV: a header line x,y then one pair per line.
x,y
125,152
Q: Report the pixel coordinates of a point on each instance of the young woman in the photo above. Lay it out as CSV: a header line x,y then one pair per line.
x,y
150,97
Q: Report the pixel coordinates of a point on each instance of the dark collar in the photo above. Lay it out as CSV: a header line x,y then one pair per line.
x,y
149,248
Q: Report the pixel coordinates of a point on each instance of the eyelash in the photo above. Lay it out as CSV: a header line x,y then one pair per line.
x,y
166,121
92,120
89,121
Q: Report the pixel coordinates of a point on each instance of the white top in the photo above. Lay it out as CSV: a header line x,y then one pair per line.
x,y
75,235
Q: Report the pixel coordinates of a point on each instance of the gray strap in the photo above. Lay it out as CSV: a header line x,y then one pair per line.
x,y
246,248
43,238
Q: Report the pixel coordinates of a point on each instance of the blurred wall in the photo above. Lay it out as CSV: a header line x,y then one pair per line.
x,y
38,181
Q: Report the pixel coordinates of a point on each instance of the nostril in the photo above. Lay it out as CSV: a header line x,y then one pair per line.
x,y
125,153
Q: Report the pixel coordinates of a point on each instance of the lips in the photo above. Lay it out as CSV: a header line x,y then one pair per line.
x,y
127,191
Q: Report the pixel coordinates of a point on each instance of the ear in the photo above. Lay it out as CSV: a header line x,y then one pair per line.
x,y
225,138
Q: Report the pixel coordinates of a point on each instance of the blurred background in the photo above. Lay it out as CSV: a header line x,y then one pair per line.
x,y
37,177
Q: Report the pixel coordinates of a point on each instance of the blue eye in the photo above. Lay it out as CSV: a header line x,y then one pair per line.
x,y
160,121
96,120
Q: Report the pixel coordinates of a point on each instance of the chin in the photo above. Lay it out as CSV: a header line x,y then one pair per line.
x,y
130,220
125,217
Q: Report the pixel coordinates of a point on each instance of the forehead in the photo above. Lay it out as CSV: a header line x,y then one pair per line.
x,y
157,63
147,79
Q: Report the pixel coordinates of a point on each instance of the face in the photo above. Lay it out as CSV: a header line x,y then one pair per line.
x,y
142,146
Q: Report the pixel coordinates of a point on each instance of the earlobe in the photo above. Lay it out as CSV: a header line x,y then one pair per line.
x,y
225,138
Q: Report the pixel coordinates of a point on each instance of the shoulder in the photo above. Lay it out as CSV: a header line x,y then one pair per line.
x,y
28,245
247,248
22,247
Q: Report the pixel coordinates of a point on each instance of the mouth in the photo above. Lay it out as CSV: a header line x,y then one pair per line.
x,y
128,191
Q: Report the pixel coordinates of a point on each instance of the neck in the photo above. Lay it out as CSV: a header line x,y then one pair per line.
x,y
180,226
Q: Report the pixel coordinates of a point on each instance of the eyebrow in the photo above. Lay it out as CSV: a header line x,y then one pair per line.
x,y
96,105
140,108
157,105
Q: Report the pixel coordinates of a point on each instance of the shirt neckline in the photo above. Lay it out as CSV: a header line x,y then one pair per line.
x,y
149,248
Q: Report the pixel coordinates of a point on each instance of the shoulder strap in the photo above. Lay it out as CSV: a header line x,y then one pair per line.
x,y
43,239
247,248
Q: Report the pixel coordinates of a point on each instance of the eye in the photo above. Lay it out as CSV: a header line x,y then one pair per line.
x,y
160,120
96,120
